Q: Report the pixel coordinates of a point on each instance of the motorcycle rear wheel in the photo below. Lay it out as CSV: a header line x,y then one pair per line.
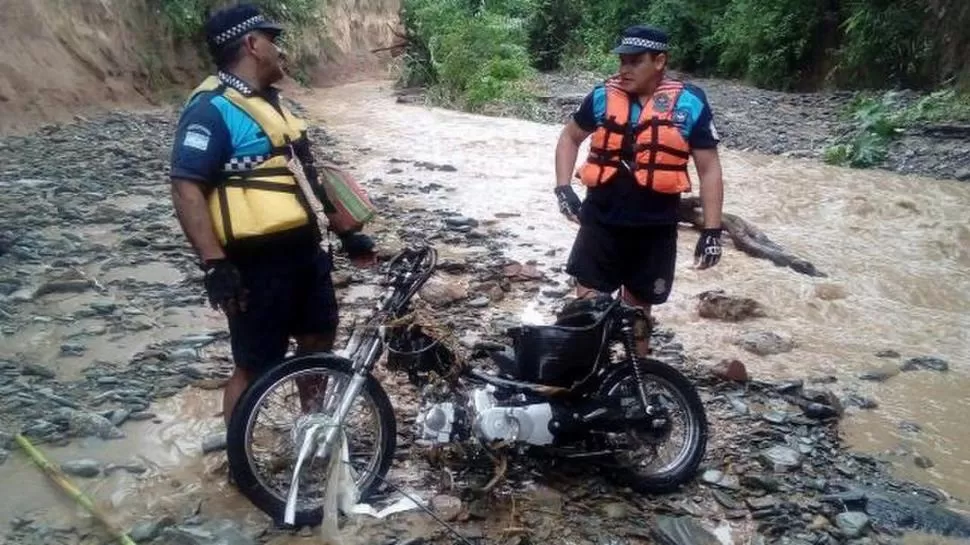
x,y
240,430
670,478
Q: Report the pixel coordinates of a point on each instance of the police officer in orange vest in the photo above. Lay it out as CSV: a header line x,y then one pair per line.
x,y
644,126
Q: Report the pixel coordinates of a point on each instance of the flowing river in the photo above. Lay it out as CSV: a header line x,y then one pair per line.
x,y
896,250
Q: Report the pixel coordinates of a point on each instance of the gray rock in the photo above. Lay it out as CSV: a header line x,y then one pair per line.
x,y
213,443
878,375
118,416
682,531
887,354
213,532
922,462
86,469
30,369
781,458
184,355
926,362
73,349
149,530
765,343
853,523
84,424
761,482
4,454
712,476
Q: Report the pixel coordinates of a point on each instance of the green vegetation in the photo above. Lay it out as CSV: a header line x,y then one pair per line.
x,y
876,120
302,18
472,52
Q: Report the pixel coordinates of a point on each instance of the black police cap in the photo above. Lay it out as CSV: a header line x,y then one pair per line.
x,y
640,39
226,25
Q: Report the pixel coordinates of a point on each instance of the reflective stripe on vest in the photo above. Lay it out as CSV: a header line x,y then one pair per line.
x,y
264,199
653,148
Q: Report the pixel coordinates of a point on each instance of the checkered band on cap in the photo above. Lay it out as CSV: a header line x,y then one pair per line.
x,y
643,42
238,30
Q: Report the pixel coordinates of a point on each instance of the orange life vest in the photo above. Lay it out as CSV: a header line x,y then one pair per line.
x,y
652,148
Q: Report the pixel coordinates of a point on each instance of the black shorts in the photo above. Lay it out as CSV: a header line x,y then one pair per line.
x,y
641,259
289,294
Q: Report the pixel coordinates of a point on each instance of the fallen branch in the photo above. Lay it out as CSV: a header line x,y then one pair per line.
x,y
56,475
389,47
748,238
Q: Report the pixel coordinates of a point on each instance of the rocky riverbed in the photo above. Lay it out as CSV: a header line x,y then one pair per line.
x,y
103,318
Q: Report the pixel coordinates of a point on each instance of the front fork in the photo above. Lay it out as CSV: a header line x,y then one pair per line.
x,y
344,399
635,326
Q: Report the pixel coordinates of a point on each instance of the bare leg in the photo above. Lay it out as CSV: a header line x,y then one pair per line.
x,y
641,328
312,389
233,391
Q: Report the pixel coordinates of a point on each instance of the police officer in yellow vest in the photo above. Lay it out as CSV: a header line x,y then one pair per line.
x,y
241,208
644,126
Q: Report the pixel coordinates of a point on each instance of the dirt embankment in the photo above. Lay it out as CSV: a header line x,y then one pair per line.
x,y
61,58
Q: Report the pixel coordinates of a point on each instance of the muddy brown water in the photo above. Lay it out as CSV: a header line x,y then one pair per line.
x,y
896,248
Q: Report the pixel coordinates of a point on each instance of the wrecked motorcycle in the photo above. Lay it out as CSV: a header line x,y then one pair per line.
x,y
574,389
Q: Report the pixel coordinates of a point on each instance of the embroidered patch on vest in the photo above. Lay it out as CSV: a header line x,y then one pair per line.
x,y
661,103
196,139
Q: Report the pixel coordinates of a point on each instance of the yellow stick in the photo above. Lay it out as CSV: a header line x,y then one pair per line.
x,y
58,476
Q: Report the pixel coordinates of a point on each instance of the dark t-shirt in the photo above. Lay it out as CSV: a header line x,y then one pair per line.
x,y
622,201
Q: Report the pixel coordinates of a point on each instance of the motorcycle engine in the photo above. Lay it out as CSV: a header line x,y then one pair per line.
x,y
444,422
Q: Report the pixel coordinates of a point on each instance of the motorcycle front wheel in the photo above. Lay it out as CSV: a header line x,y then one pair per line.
x,y
639,465
267,426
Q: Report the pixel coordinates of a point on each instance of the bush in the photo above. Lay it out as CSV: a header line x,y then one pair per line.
x,y
472,55
768,43
550,28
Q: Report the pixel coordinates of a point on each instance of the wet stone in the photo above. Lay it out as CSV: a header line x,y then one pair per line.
x,y
782,458
86,469
83,424
73,349
214,532
765,343
878,375
888,353
149,530
682,531
911,427
214,443
30,369
853,524
761,482
775,417
926,362
922,462
726,501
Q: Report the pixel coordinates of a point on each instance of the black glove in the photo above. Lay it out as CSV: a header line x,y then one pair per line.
x,y
223,283
569,203
356,244
708,250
